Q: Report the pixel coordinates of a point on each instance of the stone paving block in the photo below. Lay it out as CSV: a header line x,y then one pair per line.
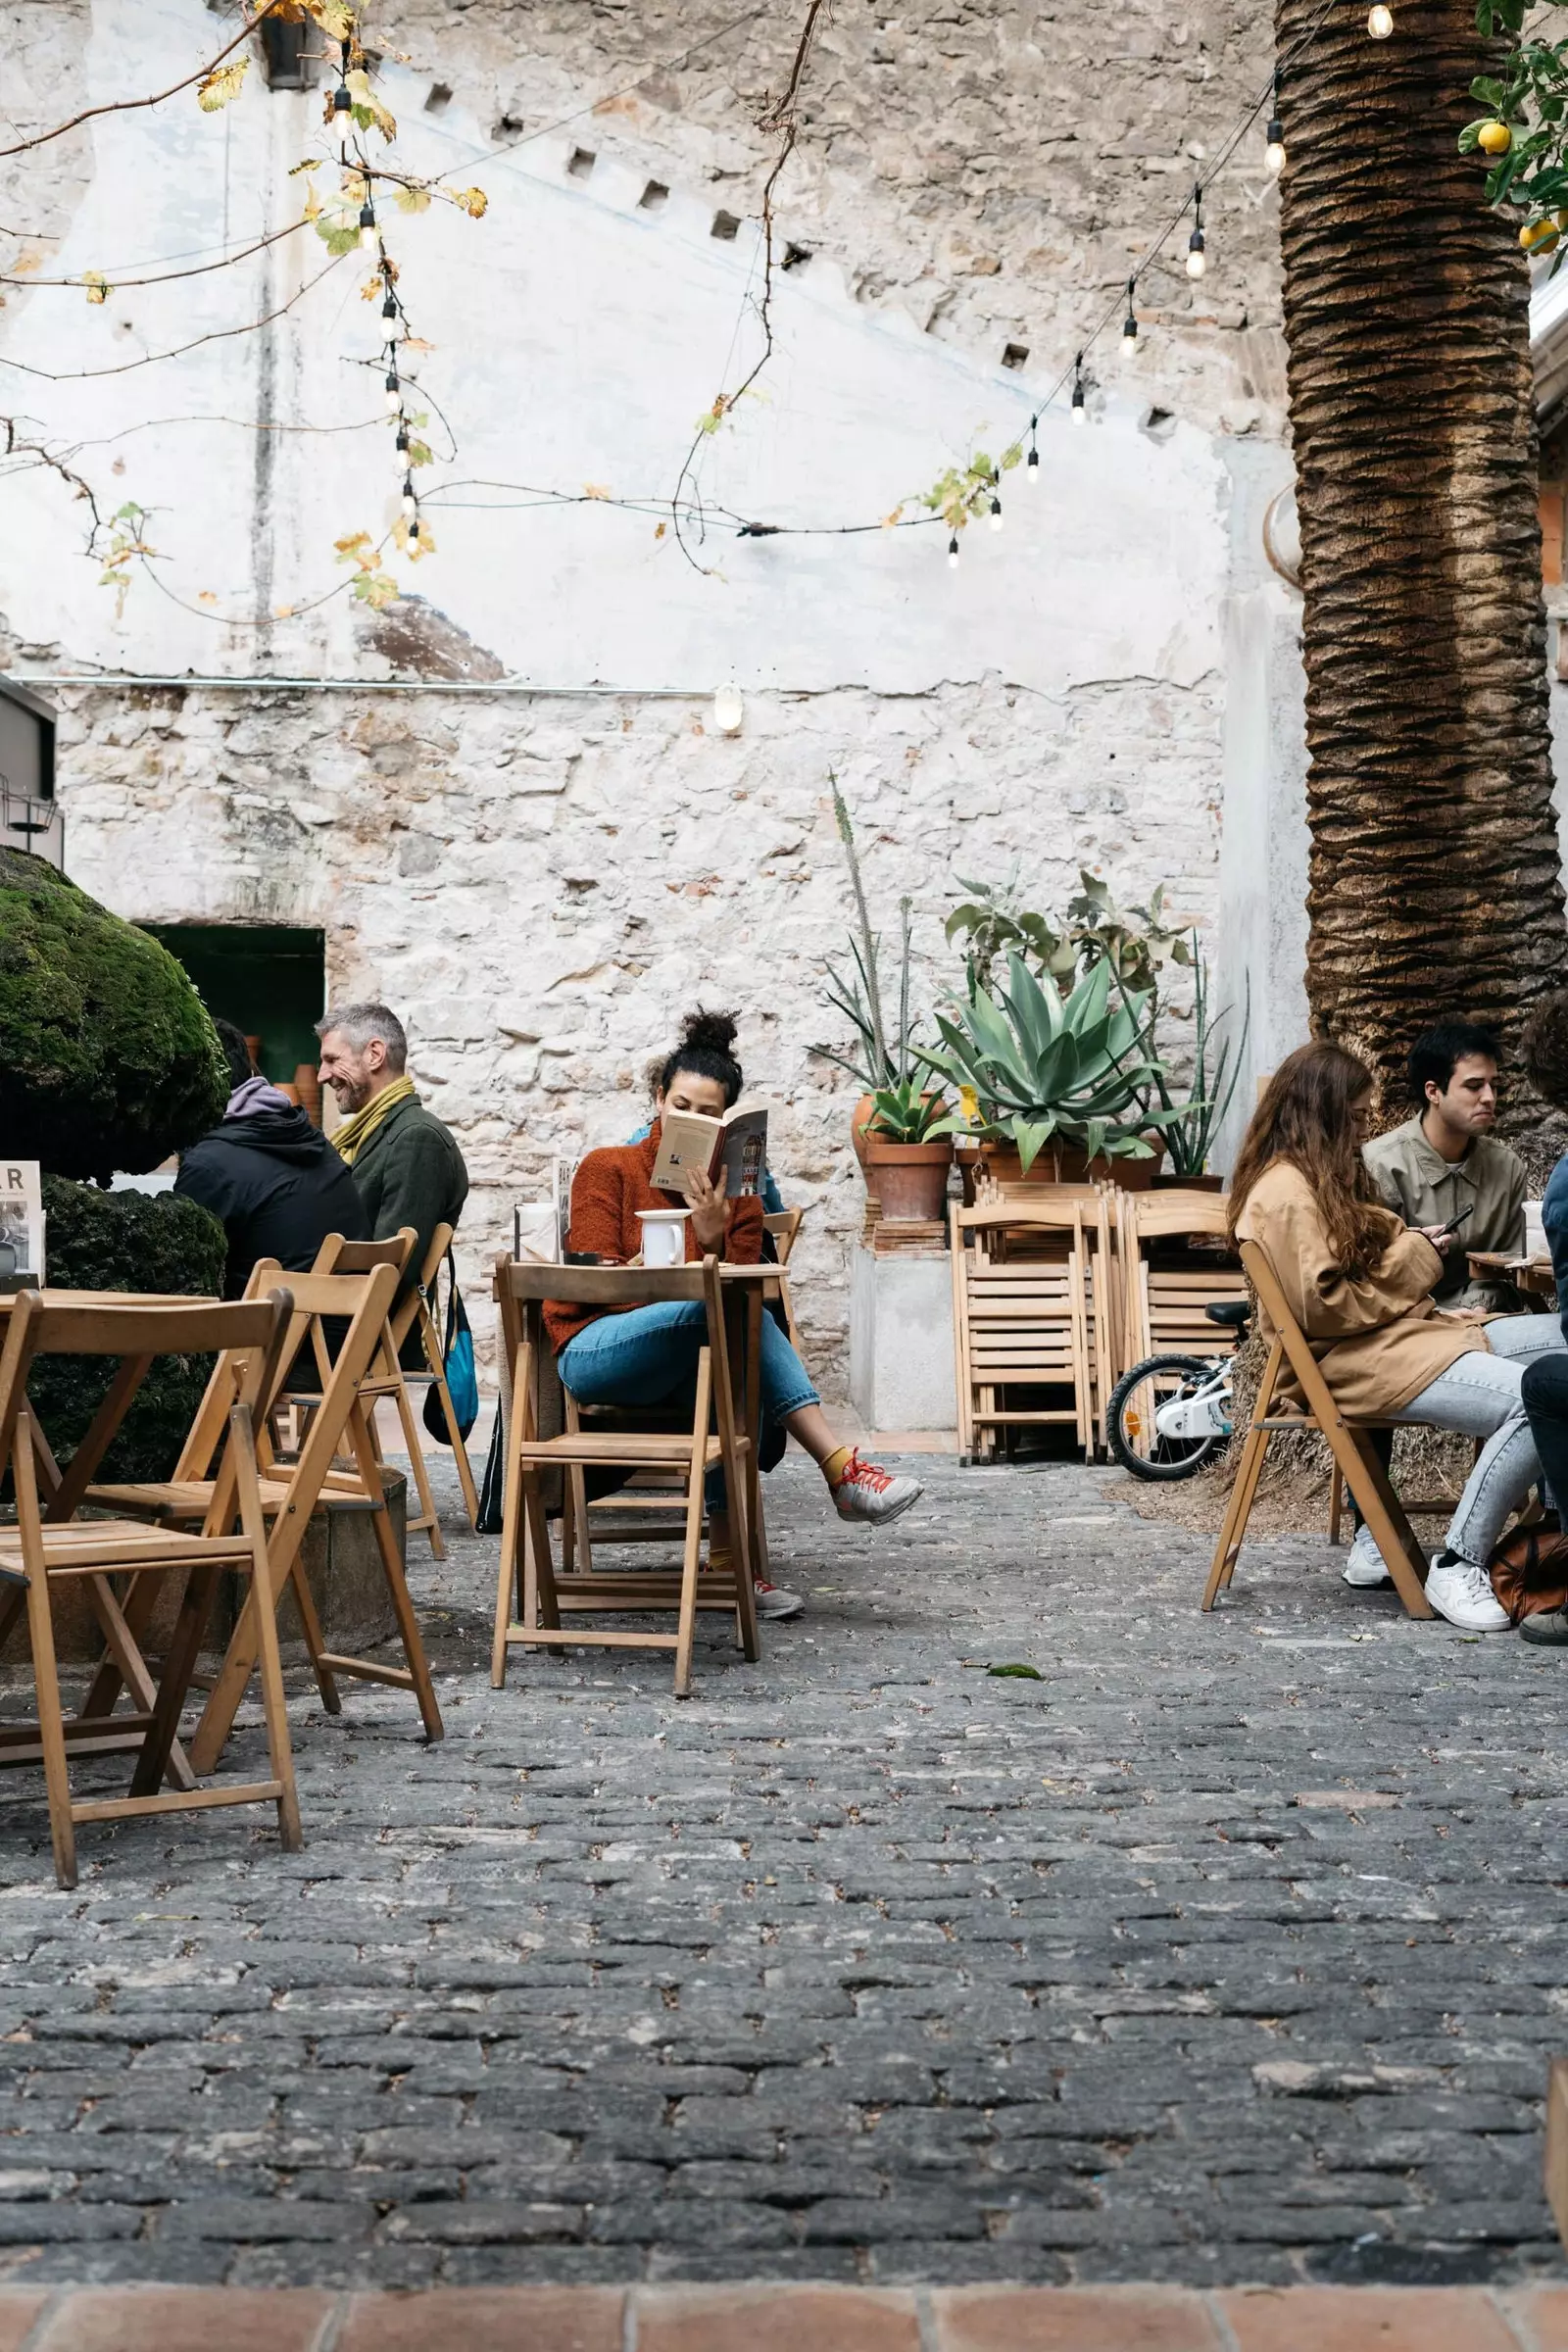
x,y
182,2319
787,2319
19,2310
524,2319
1308,2319
1053,2320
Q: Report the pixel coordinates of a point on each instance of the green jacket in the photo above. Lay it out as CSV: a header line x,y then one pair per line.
x,y
410,1172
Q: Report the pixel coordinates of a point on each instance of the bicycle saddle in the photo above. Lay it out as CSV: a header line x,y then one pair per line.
x,y
1234,1313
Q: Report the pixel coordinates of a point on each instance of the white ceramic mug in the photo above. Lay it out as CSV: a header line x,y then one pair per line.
x,y
663,1236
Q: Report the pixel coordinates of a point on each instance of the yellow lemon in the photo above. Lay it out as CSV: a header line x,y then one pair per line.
x,y
1495,139
1539,236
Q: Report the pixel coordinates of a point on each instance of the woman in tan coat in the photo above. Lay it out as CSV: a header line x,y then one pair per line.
x,y
1359,1282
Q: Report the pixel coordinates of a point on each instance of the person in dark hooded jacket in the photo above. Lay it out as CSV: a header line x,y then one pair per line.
x,y
271,1176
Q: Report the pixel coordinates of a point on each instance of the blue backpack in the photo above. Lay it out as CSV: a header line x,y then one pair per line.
x,y
463,1383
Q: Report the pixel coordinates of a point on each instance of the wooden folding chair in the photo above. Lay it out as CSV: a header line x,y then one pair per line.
x,y
784,1225
384,1377
357,1304
528,1580
50,1543
1349,1442
1024,1320
420,1306
1165,1290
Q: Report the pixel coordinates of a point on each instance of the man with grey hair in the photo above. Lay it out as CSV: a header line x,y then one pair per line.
x,y
405,1162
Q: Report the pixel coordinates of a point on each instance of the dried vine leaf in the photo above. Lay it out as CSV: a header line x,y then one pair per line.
x,y
223,86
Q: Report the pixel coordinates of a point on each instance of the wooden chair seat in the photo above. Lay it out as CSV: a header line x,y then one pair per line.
x,y
88,1545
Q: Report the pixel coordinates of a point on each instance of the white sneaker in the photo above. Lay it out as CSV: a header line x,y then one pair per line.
x,y
1366,1568
773,1601
1463,1593
868,1491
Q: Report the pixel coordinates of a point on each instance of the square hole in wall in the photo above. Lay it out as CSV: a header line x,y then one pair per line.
x,y
654,195
580,164
1017,355
795,256
439,96
725,227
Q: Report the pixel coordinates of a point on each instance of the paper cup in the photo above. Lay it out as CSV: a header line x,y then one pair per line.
x,y
663,1236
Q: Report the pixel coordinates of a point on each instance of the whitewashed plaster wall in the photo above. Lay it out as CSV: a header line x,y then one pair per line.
x,y
542,877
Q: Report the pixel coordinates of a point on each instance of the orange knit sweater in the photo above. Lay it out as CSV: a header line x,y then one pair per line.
x,y
606,1192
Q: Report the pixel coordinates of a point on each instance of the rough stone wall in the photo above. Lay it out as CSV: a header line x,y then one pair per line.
x,y
543,883
996,170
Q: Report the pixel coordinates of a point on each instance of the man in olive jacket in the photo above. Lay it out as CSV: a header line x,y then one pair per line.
x,y
405,1163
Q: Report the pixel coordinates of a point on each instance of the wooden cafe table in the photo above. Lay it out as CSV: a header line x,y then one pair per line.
x,y
1532,1275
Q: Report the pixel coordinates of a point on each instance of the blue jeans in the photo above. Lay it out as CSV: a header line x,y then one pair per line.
x,y
1480,1395
649,1356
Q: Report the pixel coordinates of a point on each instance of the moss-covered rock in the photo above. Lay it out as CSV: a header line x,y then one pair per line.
x,y
106,1056
125,1242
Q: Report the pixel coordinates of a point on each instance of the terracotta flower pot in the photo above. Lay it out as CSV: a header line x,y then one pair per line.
x,y
1067,1164
911,1179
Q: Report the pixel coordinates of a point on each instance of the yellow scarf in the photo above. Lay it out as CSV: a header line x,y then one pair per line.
x,y
353,1136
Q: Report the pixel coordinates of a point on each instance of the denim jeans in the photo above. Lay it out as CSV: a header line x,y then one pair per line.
x,y
1545,1395
1480,1396
649,1356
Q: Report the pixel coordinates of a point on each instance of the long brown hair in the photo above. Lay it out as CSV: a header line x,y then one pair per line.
x,y
1304,1117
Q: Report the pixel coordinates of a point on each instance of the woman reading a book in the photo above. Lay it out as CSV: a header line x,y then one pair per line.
x,y
648,1354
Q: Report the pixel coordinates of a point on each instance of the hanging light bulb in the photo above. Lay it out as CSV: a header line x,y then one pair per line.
x,y
1129,325
368,226
1032,460
400,448
1079,412
996,513
393,392
1197,260
1380,21
342,103
953,553
389,312
1274,150
414,532
410,505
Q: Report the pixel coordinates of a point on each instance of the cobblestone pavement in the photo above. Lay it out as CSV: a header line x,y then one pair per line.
x,y
1229,1950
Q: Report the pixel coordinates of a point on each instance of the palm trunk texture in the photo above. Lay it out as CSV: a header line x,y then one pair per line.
x,y
1435,858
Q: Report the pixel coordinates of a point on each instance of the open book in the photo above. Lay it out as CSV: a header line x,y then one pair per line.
x,y
736,1143
20,1225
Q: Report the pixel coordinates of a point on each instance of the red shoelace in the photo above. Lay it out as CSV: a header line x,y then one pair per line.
x,y
859,1473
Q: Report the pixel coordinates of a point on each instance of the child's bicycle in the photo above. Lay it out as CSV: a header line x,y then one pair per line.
x,y
1171,1414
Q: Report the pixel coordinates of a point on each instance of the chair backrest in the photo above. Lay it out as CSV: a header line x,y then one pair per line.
x,y
424,1286
1063,1210
784,1225
1259,1268
312,1300
1173,1213
338,1256
522,1290
249,1335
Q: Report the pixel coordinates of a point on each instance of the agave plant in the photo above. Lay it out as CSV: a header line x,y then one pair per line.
x,y
912,1112
1190,1130
886,1056
1038,1069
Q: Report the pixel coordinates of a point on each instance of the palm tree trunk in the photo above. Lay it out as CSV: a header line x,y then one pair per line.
x,y
1434,857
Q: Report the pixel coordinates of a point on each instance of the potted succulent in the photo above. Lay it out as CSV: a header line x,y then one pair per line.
x,y
909,1149
883,1058
1063,1082
1190,1133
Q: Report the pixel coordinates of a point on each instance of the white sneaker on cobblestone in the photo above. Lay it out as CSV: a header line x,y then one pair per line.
x,y
1463,1593
1365,1567
868,1491
772,1600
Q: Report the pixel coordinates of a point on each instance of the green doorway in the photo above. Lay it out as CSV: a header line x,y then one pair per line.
x,y
269,980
